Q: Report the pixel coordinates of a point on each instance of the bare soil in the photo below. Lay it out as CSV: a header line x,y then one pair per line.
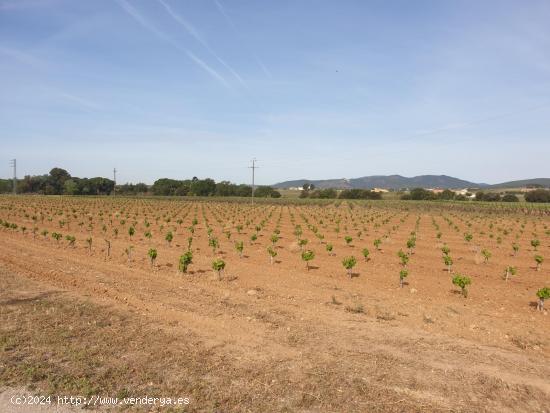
x,y
278,338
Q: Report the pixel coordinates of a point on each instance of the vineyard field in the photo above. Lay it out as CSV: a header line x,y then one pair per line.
x,y
283,305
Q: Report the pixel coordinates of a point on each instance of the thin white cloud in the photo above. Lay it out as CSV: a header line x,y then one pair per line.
x,y
207,68
462,125
79,100
160,34
224,13
195,34
21,56
188,26
264,68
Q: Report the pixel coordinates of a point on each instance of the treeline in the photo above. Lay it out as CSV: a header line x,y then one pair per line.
x,y
60,182
208,187
538,195
495,197
312,193
421,194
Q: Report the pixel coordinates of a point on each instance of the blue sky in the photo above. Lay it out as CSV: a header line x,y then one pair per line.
x,y
313,89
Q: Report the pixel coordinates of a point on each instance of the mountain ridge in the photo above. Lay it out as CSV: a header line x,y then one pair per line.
x,y
398,182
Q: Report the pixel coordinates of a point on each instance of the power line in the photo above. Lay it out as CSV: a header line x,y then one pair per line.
x,y
253,167
13,163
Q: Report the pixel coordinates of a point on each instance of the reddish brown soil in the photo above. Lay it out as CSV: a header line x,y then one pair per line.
x,y
280,338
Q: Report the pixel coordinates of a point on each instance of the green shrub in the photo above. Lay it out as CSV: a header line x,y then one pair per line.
x,y
510,271
218,265
272,254
538,260
184,261
448,261
152,253
307,256
239,246
349,263
462,282
542,294
404,273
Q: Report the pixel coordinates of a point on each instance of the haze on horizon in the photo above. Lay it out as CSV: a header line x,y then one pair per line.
x,y
312,89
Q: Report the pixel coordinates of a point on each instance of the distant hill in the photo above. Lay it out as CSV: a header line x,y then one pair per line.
x,y
544,182
385,181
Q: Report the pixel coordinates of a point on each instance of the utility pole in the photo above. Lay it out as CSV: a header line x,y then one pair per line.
x,y
253,167
13,163
114,178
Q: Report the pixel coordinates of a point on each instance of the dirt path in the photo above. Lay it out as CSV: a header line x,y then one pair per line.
x,y
262,344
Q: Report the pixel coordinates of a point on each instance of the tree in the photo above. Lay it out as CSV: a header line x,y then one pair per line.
x,y
359,194
349,263
218,265
57,179
377,243
542,294
462,282
487,196
203,187
329,248
266,192
70,187
307,256
166,187
366,253
348,239
419,194
185,260
510,198
447,195
535,243
538,195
